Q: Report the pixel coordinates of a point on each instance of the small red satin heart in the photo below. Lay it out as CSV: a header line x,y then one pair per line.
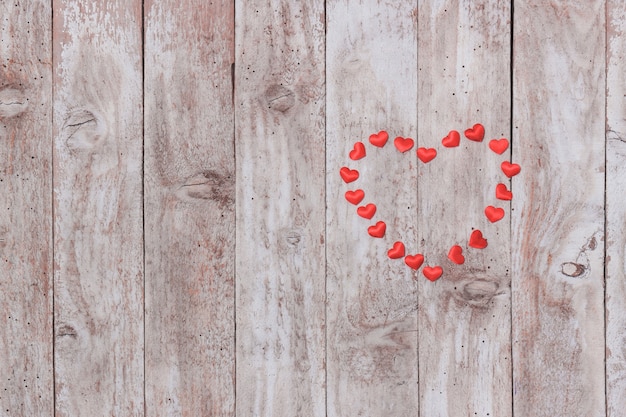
x,y
378,230
358,152
367,211
348,174
456,255
499,145
476,133
397,251
355,196
379,139
403,144
432,273
426,154
452,140
494,214
414,261
477,240
509,169
502,193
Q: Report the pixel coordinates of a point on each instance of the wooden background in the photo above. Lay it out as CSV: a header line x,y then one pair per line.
x,y
174,240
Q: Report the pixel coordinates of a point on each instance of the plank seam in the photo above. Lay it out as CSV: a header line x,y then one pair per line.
x,y
511,129
606,69
54,395
143,187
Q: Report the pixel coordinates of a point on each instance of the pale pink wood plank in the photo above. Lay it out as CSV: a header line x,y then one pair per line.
x,y
26,375
616,209
464,317
189,208
372,300
98,236
558,218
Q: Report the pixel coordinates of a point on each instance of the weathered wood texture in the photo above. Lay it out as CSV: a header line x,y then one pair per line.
x,y
98,236
558,221
189,208
26,374
372,300
616,209
279,105
464,320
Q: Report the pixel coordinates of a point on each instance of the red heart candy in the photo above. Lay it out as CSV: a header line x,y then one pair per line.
x,y
426,154
509,169
477,240
358,152
367,211
397,251
432,273
456,255
379,139
494,214
403,144
452,140
348,174
355,197
414,261
499,146
378,230
502,193
476,133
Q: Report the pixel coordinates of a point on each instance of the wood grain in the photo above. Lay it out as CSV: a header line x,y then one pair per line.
x,y
372,300
615,209
558,222
279,104
189,208
464,317
26,374
98,236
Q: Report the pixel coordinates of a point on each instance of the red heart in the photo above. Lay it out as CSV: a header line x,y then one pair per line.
x,y
499,146
355,197
397,251
358,152
348,174
414,261
377,230
432,273
367,211
456,255
476,133
403,144
502,193
494,214
452,140
379,139
477,240
426,154
509,169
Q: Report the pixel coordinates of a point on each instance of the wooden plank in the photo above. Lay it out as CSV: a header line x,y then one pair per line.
x,y
558,221
98,236
279,102
372,300
616,209
464,316
26,374
189,208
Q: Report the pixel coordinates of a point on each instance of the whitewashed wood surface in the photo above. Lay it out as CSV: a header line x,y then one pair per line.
x,y
175,239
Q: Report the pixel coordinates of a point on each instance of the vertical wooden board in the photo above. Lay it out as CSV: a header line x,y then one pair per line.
x,y
464,316
558,219
189,208
372,300
26,374
616,209
98,243
279,105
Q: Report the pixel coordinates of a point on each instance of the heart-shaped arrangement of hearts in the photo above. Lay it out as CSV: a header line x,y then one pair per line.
x,y
426,155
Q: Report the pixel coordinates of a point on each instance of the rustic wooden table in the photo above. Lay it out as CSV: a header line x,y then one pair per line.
x,y
175,241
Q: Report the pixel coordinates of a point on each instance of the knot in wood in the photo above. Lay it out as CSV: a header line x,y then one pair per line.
x,y
279,98
12,102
